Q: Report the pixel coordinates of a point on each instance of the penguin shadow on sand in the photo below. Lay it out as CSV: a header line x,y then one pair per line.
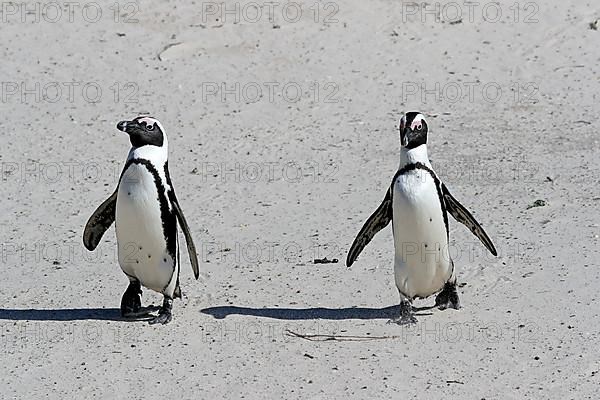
x,y
364,313
66,314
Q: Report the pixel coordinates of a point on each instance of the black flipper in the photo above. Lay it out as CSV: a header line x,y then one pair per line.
x,y
462,215
376,222
99,222
186,232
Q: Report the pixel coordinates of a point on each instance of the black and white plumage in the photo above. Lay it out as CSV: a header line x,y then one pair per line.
x,y
418,204
146,211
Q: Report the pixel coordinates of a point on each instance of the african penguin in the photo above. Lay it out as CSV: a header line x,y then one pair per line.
x,y
418,204
146,212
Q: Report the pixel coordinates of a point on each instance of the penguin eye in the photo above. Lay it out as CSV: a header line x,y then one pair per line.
x,y
149,127
419,126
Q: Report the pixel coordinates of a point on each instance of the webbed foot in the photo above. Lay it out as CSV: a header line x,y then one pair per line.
x,y
406,315
448,297
164,314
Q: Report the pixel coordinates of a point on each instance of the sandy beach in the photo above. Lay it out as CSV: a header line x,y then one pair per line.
x,y
281,119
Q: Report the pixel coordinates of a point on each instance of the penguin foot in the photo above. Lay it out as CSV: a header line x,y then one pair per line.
x,y
164,314
143,314
448,297
131,302
406,316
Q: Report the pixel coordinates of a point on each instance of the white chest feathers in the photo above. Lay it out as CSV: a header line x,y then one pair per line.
x,y
143,228
422,262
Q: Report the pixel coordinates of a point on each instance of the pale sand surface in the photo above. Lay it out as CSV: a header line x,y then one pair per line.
x,y
282,182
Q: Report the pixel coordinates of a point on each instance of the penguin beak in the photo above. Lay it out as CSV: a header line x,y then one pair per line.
x,y
122,126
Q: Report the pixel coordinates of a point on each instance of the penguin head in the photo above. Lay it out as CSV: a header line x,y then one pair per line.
x,y
413,130
143,130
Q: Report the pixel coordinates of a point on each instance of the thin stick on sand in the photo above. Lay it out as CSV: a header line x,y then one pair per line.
x,y
339,338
